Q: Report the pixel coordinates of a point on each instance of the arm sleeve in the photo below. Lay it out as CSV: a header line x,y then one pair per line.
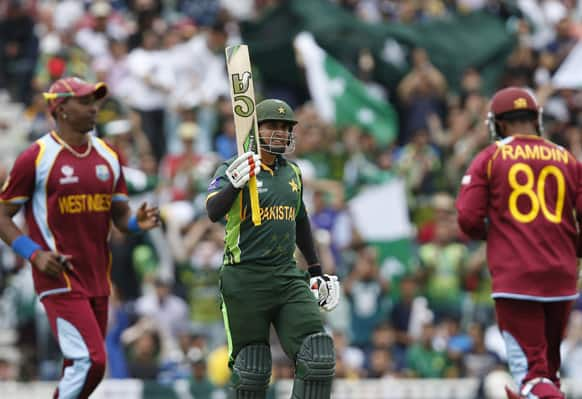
x,y
472,200
19,185
303,234
221,195
304,240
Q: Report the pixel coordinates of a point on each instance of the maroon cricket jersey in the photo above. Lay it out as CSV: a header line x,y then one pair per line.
x,y
67,202
521,194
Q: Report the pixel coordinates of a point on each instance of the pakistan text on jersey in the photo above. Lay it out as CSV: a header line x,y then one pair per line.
x,y
278,212
80,203
544,153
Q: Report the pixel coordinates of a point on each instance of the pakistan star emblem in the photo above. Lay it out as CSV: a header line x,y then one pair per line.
x,y
293,185
281,110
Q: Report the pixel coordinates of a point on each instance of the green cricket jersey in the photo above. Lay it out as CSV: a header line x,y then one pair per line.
x,y
281,200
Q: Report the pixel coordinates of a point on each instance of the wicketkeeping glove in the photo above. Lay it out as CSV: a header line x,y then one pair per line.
x,y
326,290
240,171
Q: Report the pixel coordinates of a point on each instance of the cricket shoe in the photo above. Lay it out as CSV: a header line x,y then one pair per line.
x,y
538,388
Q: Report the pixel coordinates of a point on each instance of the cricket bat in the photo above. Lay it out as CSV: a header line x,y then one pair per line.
x,y
242,94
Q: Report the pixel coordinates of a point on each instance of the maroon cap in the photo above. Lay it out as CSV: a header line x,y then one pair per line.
x,y
513,99
73,87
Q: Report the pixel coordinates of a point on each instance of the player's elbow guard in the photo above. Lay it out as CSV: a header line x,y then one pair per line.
x,y
212,215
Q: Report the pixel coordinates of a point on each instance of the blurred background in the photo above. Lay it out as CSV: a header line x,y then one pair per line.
x,y
391,98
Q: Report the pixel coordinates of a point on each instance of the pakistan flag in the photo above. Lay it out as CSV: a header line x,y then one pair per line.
x,y
339,97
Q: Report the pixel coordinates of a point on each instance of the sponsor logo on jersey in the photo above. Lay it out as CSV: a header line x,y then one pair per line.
x,y
84,203
68,175
278,212
260,187
102,172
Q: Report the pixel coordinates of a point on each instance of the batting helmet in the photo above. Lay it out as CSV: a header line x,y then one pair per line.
x,y
275,110
512,103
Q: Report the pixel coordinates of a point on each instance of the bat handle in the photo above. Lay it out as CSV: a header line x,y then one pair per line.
x,y
255,206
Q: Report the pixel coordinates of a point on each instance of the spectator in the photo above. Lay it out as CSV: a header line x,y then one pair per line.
x,y
422,360
478,362
9,364
225,143
418,162
18,51
365,289
143,347
442,265
93,39
38,117
178,170
422,93
384,341
443,211
169,311
119,320
201,83
199,384
349,358
112,68
150,81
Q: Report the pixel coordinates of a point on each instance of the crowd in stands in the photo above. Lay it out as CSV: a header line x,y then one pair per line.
x,y
170,118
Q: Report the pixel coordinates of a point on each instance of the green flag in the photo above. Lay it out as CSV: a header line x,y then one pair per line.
x,y
380,216
342,99
480,40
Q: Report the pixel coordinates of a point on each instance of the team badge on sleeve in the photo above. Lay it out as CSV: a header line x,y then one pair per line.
x,y
214,184
102,172
466,180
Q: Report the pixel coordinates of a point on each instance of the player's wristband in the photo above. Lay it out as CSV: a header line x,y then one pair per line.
x,y
24,246
133,225
315,270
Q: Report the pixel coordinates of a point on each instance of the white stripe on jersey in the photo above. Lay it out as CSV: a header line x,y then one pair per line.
x,y
49,151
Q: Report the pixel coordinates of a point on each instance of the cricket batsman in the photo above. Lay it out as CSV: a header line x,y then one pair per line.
x,y
260,282
523,194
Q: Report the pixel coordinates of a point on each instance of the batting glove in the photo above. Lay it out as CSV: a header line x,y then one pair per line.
x,y
243,168
326,290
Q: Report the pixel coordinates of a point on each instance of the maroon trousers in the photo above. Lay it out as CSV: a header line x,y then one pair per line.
x,y
79,325
533,332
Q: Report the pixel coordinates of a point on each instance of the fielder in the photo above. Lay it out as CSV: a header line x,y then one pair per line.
x,y
260,282
72,188
523,194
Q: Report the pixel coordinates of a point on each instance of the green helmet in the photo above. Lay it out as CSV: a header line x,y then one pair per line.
x,y
275,110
